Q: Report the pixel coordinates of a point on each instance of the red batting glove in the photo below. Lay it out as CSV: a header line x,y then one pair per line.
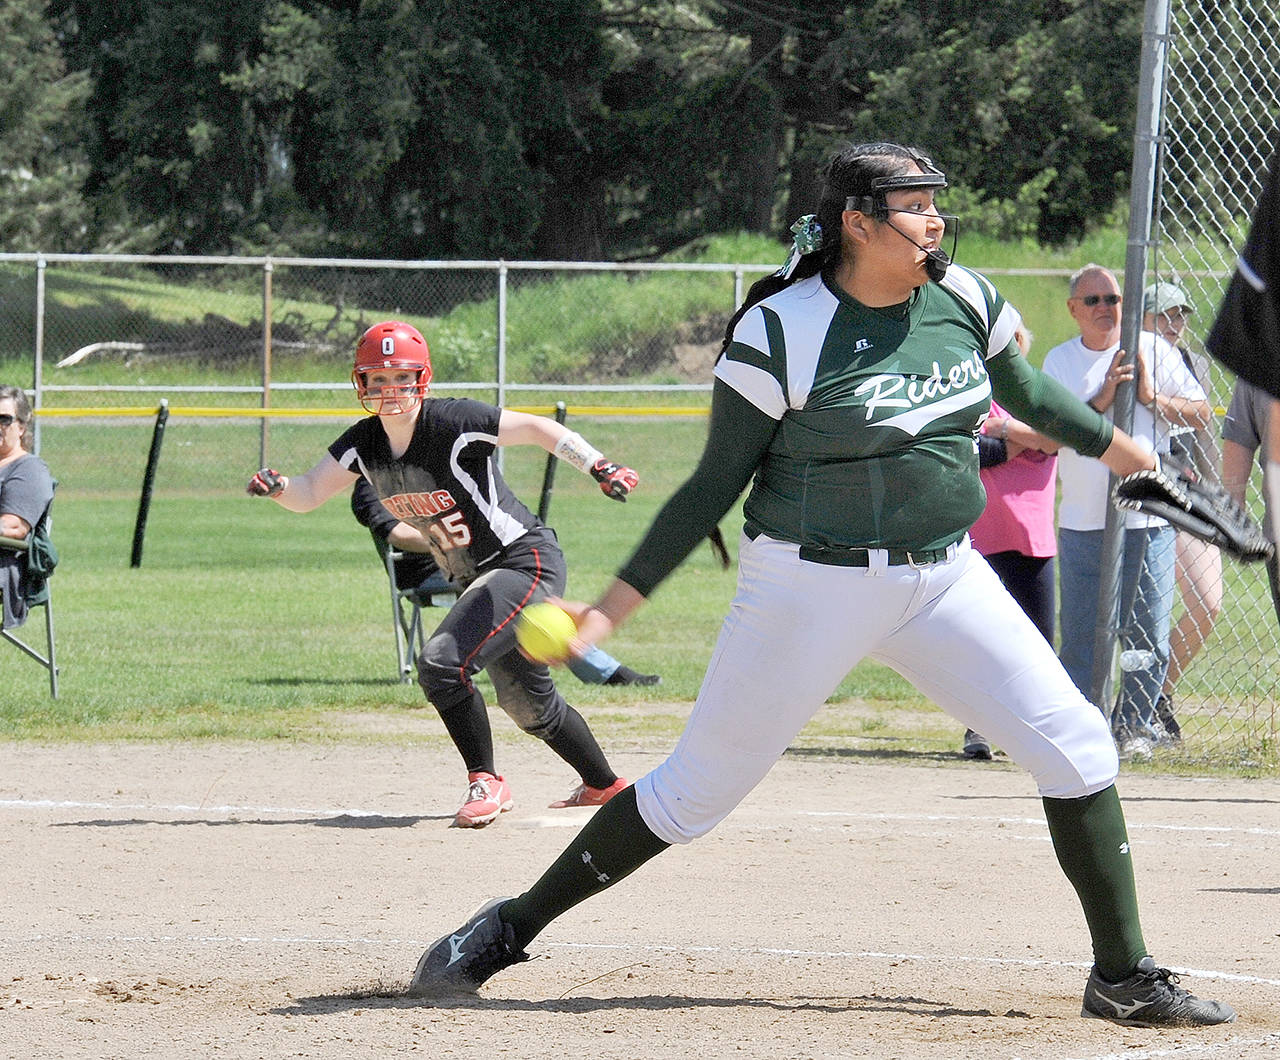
x,y
615,480
266,483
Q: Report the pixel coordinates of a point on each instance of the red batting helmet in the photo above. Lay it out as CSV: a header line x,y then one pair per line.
x,y
391,345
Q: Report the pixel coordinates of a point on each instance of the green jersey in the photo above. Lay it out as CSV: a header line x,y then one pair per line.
x,y
857,427
877,411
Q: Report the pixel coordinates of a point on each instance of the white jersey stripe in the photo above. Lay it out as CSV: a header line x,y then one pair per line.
x,y
350,457
964,283
805,331
754,384
979,293
504,527
802,333
1002,333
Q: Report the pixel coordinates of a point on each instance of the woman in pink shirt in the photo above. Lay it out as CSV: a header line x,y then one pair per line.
x,y
1015,531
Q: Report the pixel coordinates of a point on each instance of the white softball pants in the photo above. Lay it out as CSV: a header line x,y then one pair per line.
x,y
796,628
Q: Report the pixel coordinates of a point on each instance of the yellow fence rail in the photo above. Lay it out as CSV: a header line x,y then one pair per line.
x,y
214,412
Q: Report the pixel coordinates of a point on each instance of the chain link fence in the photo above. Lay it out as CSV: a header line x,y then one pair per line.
x,y
1218,122
106,338
119,323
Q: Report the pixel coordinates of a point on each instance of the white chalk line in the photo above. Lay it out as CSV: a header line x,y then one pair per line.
x,y
1038,821
149,807
573,819
1230,1047
620,947
930,958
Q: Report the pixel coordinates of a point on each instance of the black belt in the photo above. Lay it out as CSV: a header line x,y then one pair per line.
x,y
861,557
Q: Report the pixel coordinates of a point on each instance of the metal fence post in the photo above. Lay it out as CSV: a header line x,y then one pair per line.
x,y
264,430
37,371
500,352
500,366
1154,64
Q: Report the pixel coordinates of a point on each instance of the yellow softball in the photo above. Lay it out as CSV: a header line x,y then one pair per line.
x,y
543,631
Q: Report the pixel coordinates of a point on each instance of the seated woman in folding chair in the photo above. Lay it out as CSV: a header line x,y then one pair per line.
x,y
596,667
431,465
26,488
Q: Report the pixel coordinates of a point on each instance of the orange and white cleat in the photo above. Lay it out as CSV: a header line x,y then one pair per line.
x,y
487,796
586,795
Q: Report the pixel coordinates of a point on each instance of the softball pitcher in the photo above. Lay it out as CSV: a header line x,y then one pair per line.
x,y
431,464
849,392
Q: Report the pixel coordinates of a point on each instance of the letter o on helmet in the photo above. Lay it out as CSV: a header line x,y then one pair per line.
x,y
388,346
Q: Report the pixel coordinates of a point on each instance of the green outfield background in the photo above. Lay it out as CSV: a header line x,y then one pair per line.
x,y
246,621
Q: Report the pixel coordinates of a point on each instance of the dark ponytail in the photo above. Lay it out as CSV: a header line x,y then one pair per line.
x,y
849,171
809,265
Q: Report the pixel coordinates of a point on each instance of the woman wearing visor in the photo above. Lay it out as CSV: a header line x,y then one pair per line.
x,y
848,395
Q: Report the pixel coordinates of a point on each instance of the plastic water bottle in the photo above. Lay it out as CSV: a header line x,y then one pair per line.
x,y
1136,659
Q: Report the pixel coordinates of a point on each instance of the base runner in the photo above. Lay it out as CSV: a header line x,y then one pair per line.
x,y
848,395
431,465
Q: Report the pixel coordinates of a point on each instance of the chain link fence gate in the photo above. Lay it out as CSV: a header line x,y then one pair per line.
x,y
1216,131
218,337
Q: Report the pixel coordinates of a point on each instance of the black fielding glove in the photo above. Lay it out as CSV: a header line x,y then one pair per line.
x,y
1203,509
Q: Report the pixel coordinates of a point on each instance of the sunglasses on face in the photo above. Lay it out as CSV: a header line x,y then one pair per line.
x,y
7,421
1092,300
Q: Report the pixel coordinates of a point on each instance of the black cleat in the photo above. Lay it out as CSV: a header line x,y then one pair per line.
x,y
458,963
1150,998
624,675
976,746
1168,718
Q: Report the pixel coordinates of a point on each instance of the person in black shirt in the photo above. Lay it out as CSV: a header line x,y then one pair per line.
x,y
416,570
1246,334
431,465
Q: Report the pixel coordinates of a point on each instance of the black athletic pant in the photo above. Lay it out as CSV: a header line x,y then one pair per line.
x,y
478,634
1030,581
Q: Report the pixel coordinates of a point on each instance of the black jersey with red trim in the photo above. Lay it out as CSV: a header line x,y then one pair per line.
x,y
1246,335
447,484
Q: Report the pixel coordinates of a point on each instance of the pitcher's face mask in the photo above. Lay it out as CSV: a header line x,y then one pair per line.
x,y
876,205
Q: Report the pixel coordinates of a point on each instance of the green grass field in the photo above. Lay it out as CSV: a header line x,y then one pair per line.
x,y
245,621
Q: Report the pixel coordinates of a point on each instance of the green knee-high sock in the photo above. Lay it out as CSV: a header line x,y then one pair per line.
x,y
1092,845
614,843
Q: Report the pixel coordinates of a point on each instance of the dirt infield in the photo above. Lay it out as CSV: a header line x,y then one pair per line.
x,y
265,901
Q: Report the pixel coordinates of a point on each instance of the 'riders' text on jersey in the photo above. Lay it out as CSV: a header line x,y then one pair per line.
x,y
877,410
446,484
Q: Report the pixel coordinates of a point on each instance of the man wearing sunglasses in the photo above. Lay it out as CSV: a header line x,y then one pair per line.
x,y
1092,366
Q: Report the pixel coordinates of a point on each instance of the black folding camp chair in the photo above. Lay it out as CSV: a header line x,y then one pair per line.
x,y
415,583
39,557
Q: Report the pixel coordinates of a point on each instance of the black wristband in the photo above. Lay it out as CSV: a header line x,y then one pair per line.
x,y
991,451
